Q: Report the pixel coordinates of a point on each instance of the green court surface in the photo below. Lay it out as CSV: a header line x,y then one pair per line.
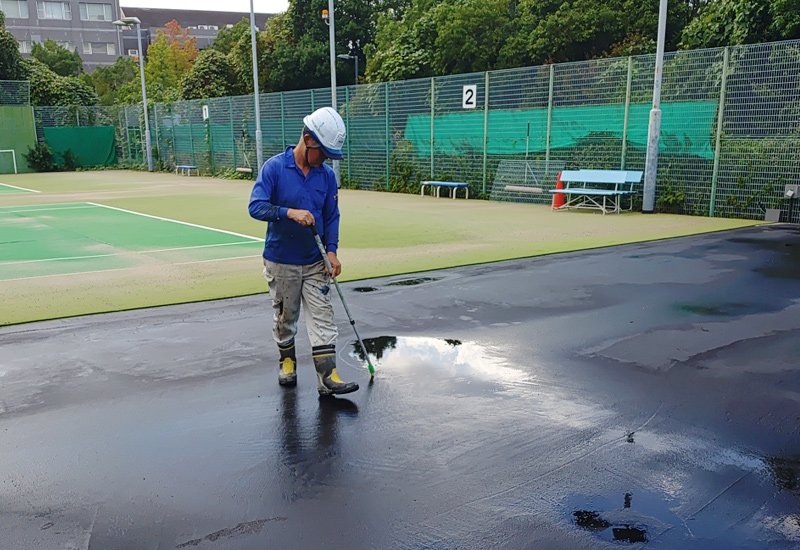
x,y
68,238
100,241
6,188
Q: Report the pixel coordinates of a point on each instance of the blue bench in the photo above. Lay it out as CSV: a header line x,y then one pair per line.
x,y
452,185
597,189
186,169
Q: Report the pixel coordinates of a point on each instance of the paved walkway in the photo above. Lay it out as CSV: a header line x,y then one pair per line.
x,y
645,392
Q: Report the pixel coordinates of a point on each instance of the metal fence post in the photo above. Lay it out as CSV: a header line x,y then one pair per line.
x,y
349,132
191,130
158,135
433,113
283,124
312,100
233,133
627,114
388,135
172,131
720,118
549,114
485,125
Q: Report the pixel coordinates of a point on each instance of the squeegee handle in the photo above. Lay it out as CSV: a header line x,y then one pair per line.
x,y
321,248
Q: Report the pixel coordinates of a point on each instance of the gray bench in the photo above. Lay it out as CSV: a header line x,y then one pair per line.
x,y
186,169
597,189
452,185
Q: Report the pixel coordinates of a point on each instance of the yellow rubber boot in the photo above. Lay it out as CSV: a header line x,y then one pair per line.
x,y
287,366
328,381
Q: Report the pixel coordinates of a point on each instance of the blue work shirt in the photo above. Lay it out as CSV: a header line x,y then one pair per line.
x,y
280,186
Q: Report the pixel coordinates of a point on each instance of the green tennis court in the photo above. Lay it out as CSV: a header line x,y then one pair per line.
x,y
8,188
69,238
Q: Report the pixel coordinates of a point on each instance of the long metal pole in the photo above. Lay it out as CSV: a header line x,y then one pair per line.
x,y
485,125
654,128
259,142
144,100
332,40
549,118
627,114
718,140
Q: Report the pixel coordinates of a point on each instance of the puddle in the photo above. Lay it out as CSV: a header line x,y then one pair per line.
x,y
450,360
719,310
786,472
365,289
412,282
629,518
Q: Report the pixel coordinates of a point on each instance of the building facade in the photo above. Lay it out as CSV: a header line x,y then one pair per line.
x,y
85,26
89,26
202,25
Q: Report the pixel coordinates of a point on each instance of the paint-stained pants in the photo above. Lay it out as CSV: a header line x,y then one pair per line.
x,y
291,285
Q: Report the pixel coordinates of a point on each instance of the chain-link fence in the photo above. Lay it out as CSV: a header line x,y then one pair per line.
x,y
15,93
729,141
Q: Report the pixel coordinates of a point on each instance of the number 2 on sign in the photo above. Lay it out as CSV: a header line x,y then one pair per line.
x,y
468,100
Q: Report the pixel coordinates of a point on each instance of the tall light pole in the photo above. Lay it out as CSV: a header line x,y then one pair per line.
x,y
127,22
259,152
327,16
654,129
347,56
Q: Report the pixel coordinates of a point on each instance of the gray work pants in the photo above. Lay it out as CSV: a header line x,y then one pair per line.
x,y
291,285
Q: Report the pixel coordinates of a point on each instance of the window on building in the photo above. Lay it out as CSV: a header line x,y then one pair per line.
x,y
99,48
133,53
14,8
68,45
54,10
24,46
95,12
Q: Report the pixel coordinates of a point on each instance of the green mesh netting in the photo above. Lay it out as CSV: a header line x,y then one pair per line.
x,y
18,133
457,132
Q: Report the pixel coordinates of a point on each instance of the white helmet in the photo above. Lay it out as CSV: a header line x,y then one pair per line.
x,y
327,127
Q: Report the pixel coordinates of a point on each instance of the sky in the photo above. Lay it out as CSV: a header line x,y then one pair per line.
x,y
260,6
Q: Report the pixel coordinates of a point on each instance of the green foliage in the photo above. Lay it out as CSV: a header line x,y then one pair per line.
x,y
670,200
733,22
58,58
229,37
108,81
40,158
169,58
11,67
70,161
212,75
50,89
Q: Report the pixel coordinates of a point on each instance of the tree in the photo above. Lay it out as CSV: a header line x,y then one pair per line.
x,y
60,60
50,89
108,81
11,67
212,75
734,22
170,57
228,37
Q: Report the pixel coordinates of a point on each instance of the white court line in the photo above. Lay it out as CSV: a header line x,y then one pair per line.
x,y
115,269
46,209
178,221
20,188
18,262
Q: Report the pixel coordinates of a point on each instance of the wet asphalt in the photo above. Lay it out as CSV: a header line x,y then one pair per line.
x,y
640,396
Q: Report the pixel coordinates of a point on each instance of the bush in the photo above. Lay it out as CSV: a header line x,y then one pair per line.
x,y
40,158
70,160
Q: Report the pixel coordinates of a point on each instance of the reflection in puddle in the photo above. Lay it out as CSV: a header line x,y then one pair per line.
x,y
627,523
444,358
786,471
722,310
365,289
411,282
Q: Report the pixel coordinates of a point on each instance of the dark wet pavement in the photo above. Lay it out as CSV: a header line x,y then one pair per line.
x,y
642,396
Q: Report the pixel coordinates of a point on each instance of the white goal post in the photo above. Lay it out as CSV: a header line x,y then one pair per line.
x,y
13,157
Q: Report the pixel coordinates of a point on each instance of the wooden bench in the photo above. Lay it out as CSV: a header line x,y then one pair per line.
x,y
186,169
452,185
597,189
